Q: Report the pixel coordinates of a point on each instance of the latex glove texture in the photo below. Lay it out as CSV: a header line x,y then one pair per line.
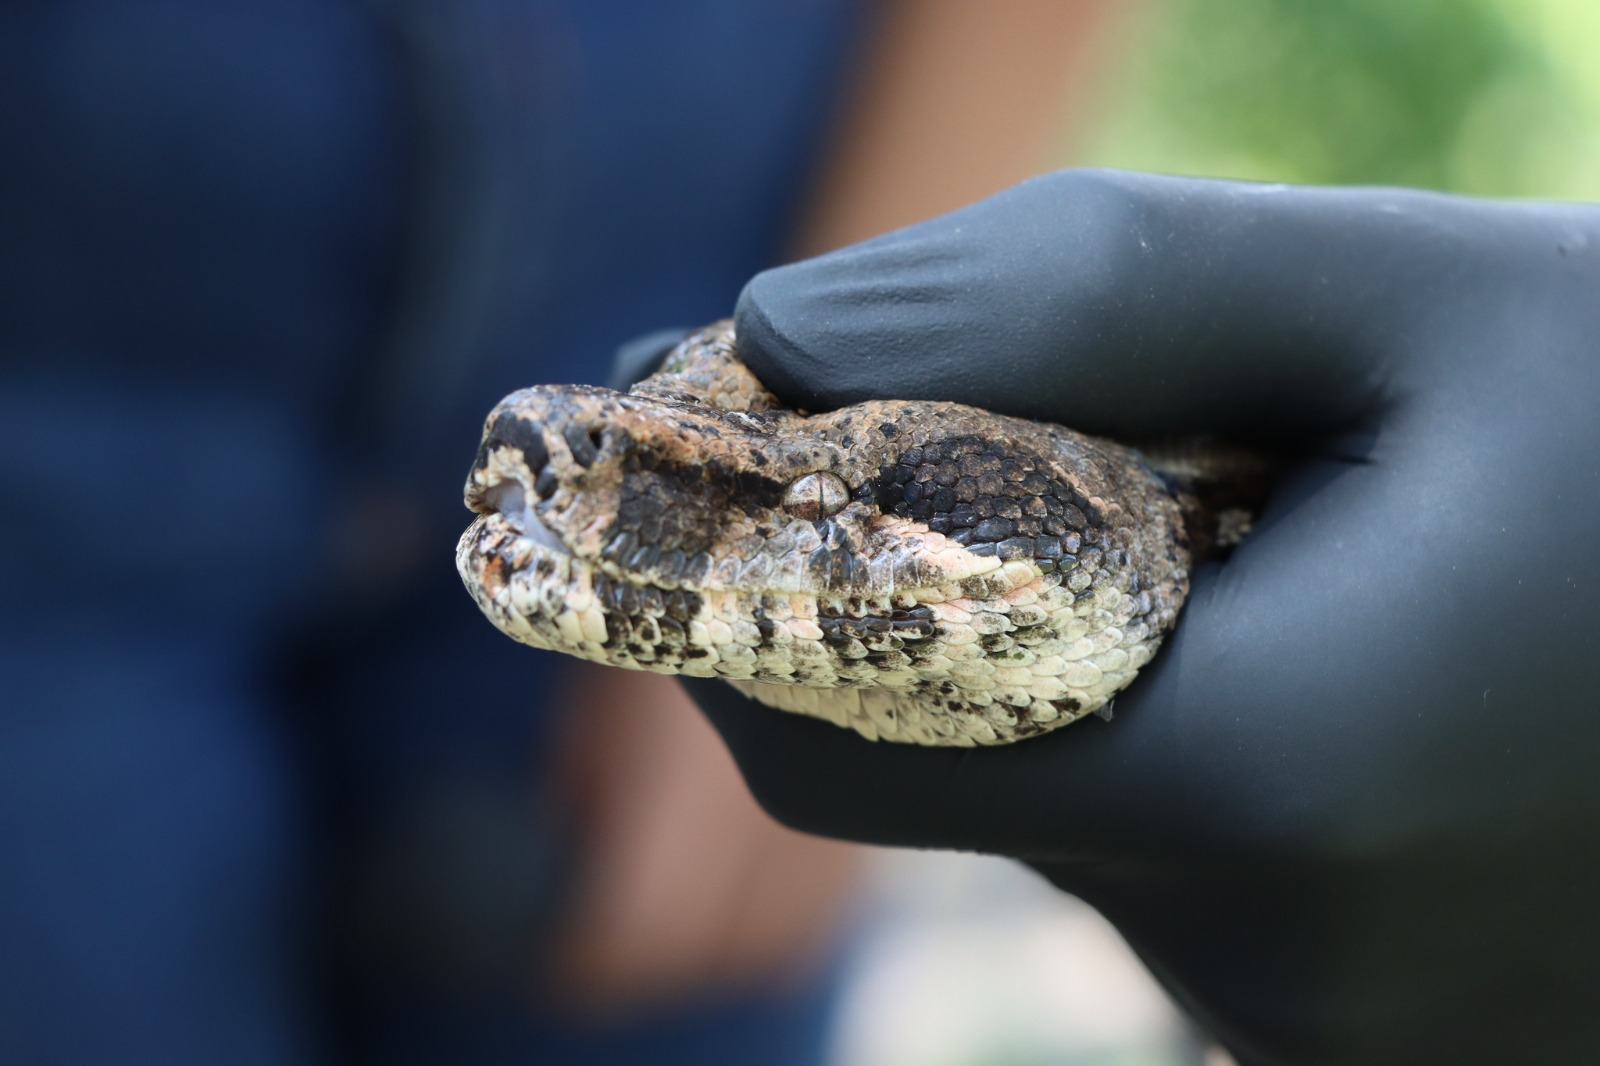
x,y
1351,812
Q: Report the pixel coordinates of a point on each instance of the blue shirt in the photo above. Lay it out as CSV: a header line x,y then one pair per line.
x,y
263,267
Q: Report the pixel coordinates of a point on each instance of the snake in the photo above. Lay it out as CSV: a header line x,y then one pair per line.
x,y
917,571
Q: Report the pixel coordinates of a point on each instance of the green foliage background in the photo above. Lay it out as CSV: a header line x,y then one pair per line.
x,y
1494,97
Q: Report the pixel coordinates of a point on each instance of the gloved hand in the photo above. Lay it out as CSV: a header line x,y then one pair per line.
x,y
1351,813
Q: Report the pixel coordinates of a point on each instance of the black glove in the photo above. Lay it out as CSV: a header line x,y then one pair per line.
x,y
1351,813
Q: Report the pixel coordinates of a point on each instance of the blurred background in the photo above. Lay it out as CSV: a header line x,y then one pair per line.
x,y
270,790
1485,97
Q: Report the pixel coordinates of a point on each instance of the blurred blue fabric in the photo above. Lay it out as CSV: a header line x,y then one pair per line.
x,y
269,787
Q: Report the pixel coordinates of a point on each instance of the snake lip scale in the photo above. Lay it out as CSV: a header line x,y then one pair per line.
x,y
917,571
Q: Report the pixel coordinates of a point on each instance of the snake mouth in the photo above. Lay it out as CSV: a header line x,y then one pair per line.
x,y
509,500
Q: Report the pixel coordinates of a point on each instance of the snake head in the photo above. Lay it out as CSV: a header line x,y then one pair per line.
x,y
913,570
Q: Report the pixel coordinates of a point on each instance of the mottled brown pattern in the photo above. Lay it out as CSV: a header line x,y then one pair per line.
x,y
983,579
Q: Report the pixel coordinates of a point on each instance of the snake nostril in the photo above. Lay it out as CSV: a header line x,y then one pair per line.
x,y
584,442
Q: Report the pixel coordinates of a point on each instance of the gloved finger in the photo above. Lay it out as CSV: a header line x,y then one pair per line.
x,y
639,358
1117,303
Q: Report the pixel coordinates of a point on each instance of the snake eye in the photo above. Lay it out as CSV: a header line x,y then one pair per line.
x,y
816,496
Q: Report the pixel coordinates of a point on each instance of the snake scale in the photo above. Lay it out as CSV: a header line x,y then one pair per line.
x,y
917,571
